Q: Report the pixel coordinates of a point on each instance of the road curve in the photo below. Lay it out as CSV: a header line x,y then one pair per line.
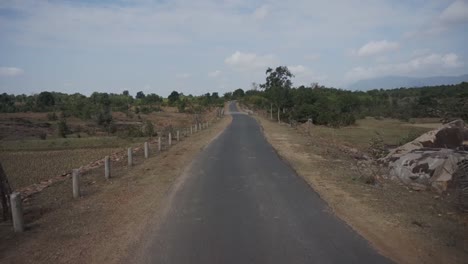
x,y
240,203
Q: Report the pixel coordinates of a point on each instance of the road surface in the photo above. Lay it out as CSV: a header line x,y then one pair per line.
x,y
240,203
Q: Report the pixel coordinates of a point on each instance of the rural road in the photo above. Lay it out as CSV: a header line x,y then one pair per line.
x,y
240,203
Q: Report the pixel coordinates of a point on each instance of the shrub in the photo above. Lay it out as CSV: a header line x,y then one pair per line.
x,y
377,147
148,129
62,128
52,116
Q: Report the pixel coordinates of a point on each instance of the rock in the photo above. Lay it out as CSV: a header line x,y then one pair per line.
x,y
450,136
428,167
418,187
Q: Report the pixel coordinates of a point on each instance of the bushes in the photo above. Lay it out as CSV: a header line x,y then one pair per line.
x,y
62,128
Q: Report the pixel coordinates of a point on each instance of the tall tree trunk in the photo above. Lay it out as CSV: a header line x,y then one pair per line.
x,y
279,120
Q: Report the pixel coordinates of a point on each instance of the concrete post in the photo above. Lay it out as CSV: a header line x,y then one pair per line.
x,y
130,157
107,167
170,139
17,212
178,136
159,144
76,183
146,150
191,130
199,126
195,128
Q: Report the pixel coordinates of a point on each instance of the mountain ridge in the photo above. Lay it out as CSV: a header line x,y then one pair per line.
x,y
394,81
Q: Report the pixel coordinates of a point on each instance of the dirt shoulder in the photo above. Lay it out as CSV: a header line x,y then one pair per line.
x,y
112,216
407,226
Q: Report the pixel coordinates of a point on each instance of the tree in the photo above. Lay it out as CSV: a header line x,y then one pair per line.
x,y
277,86
140,95
45,100
239,93
173,97
126,93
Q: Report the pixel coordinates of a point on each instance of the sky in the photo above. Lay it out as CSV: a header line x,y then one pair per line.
x,y
204,46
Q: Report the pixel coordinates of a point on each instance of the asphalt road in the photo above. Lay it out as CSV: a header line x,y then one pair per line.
x,y
240,203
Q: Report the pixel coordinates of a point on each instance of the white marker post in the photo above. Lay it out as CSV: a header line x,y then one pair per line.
x,y
76,183
17,212
107,174
146,150
130,157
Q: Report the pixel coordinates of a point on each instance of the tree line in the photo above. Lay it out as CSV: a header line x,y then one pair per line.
x,y
99,106
337,107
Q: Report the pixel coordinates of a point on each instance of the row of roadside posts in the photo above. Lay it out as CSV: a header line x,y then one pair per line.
x,y
15,198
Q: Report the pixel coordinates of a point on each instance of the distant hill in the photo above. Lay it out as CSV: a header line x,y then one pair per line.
x,y
389,82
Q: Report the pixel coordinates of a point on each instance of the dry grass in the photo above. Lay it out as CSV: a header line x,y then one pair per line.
x,y
113,219
24,168
408,226
67,143
391,130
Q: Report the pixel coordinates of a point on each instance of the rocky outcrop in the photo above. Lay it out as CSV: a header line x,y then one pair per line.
x,y
431,159
428,166
450,136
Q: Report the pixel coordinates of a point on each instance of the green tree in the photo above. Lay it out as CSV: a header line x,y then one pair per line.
x,y
140,95
277,86
173,97
238,94
45,100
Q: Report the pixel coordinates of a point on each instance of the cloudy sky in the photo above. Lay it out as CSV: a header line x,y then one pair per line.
x,y
206,45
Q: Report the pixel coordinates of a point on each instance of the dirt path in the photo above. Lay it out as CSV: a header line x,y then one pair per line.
x,y
110,219
406,226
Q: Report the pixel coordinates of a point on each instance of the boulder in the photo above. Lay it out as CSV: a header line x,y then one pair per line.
x,y
427,166
450,136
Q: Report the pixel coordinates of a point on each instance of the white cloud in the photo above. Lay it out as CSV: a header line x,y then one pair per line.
x,y
214,74
304,75
377,47
183,75
457,12
250,61
10,71
297,69
261,12
429,64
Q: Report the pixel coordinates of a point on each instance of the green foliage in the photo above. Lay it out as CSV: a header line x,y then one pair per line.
x,y
140,95
62,128
412,135
181,104
45,100
173,98
377,147
238,94
149,129
335,107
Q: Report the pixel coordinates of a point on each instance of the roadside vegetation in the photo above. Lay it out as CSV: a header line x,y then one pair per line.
x,y
335,107
55,132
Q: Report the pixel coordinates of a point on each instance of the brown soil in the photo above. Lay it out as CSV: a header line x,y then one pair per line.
x,y
112,216
407,226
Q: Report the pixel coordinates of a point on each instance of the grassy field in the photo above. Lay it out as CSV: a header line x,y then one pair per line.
x,y
28,159
393,132
24,168
67,143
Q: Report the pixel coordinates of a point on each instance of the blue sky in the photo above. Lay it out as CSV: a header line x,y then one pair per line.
x,y
217,46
